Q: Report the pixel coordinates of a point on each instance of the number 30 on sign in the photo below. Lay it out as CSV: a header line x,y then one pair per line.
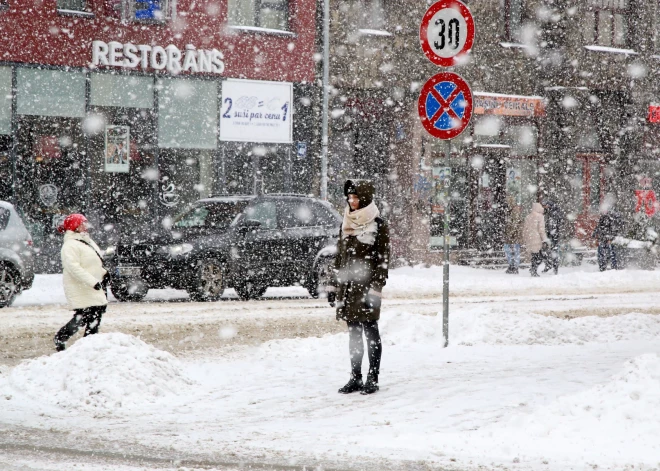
x,y
446,32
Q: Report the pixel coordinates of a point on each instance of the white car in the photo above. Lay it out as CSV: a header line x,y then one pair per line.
x,y
16,255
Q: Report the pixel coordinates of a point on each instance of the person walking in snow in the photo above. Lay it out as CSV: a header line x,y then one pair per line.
x,y
554,227
360,273
609,226
513,236
84,279
534,236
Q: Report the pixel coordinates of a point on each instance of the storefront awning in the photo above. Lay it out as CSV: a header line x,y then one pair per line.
x,y
508,105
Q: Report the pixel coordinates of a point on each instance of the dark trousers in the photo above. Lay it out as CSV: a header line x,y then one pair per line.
x,y
537,258
356,347
90,317
553,256
607,253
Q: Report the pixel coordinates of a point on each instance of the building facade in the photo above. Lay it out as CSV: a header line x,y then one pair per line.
x,y
129,110
565,97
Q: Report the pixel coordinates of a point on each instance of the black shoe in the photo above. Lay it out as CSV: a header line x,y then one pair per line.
x,y
514,271
59,346
371,386
509,270
353,385
547,269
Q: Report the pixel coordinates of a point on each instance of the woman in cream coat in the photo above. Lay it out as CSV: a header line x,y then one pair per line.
x,y
84,279
534,236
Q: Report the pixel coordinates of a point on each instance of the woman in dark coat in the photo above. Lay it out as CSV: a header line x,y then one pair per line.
x,y
360,272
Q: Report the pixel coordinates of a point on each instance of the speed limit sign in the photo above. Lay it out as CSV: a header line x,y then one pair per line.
x,y
446,32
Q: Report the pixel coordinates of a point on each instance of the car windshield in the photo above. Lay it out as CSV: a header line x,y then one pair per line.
x,y
210,215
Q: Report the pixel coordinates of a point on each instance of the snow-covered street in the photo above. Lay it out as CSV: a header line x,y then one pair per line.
x,y
558,373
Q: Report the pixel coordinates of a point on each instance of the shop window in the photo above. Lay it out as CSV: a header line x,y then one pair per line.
x,y
606,23
5,100
50,93
123,91
72,5
271,14
187,114
513,10
487,131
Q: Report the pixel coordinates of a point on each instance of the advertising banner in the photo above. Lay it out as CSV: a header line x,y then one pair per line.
x,y
256,111
117,152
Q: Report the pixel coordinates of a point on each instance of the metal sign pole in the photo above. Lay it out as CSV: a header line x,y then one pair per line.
x,y
447,240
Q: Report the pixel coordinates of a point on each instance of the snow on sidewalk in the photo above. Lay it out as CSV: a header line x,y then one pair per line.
x,y
519,390
415,282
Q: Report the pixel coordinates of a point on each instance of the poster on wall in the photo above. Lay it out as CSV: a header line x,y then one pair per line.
x,y
514,184
256,111
117,149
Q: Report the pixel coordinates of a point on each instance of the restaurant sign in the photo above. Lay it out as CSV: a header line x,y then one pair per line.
x,y
508,105
170,58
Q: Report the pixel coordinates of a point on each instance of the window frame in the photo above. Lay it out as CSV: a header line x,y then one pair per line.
x,y
278,5
595,9
508,30
84,10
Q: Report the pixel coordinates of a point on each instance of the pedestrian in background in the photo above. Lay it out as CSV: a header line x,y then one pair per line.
x,y
360,273
554,228
534,236
609,226
513,235
84,279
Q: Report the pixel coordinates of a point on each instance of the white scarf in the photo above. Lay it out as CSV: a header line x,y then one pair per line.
x,y
361,223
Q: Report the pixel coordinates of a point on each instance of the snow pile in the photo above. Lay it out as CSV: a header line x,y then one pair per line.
x,y
619,419
483,326
102,372
480,327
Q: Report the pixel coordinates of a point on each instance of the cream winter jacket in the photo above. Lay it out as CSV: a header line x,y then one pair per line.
x,y
82,269
534,229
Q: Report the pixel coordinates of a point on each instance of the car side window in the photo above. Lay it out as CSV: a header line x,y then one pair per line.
x,y
196,217
4,218
296,215
265,213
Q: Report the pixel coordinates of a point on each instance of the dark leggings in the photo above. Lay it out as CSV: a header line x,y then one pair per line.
x,y
356,347
90,317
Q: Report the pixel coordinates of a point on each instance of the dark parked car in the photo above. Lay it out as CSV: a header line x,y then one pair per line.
x,y
16,255
247,243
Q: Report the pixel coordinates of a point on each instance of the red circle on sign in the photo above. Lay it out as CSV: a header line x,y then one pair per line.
x,y
432,109
424,27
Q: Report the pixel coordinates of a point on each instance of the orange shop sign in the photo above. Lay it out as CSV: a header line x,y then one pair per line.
x,y
508,105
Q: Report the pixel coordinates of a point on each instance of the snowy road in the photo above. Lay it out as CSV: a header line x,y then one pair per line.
x,y
550,374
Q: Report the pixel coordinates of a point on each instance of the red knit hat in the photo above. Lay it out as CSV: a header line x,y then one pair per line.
x,y
72,222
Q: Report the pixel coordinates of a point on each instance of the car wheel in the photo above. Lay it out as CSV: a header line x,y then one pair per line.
x,y
209,281
9,285
319,278
247,290
128,289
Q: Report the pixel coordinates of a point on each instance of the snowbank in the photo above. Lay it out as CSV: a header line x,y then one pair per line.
x,y
102,372
618,420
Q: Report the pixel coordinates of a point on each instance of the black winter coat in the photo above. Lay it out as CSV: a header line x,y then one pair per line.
x,y
609,226
358,268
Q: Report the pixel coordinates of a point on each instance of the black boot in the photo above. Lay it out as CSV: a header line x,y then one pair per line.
x,y
59,345
371,386
514,271
509,270
353,385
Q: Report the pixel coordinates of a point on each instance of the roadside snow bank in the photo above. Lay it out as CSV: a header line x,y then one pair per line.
x,y
102,372
619,419
482,326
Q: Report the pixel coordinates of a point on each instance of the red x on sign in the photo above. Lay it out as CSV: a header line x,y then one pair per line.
x,y
445,105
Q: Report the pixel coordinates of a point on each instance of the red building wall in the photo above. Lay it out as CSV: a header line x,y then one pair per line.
x,y
32,31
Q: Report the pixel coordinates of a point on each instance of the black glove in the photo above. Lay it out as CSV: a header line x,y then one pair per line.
x,y
332,297
544,246
98,287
